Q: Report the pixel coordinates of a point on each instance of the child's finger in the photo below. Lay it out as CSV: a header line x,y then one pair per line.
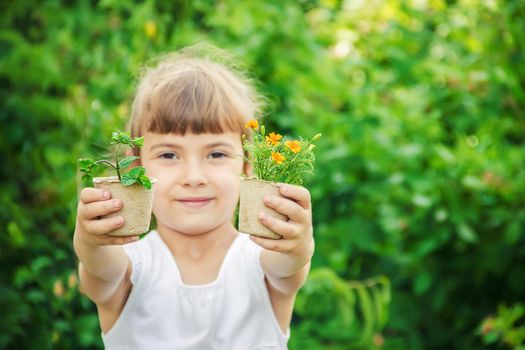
x,y
273,244
298,193
287,230
287,207
109,240
104,226
89,194
95,209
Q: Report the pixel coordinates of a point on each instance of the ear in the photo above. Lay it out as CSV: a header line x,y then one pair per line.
x,y
247,169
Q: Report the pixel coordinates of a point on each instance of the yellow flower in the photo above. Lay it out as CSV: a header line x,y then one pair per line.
x,y
252,124
58,288
294,146
273,138
72,280
278,157
150,28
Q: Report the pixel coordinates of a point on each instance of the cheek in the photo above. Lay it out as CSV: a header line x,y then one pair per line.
x,y
227,180
163,179
239,167
155,170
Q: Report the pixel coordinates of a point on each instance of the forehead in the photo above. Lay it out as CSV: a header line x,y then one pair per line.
x,y
191,140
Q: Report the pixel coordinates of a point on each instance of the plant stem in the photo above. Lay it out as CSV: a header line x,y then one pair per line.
x,y
107,162
117,168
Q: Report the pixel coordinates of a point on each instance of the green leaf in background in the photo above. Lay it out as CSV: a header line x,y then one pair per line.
x,y
353,312
506,327
466,233
419,173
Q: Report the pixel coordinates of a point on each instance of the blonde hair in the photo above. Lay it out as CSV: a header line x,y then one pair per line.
x,y
196,90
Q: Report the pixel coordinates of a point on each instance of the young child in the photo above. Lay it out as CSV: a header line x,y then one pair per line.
x,y
195,282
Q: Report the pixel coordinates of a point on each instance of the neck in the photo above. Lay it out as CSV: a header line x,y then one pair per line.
x,y
197,245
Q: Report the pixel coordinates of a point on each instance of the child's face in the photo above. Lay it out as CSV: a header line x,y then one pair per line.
x,y
198,179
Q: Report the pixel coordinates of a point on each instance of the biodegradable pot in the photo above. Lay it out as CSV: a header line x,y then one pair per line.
x,y
252,203
137,204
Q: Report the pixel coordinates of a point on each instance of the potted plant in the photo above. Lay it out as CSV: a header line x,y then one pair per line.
x,y
273,160
132,187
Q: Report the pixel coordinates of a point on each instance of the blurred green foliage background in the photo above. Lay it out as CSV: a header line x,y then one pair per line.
x,y
419,189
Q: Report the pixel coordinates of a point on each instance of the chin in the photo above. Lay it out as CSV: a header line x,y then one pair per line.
x,y
193,230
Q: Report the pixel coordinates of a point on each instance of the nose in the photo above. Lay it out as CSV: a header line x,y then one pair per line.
x,y
194,174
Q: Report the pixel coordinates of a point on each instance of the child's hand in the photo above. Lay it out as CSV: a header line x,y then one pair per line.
x,y
297,233
91,228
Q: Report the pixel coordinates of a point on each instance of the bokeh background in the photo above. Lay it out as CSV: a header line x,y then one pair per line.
x,y
419,190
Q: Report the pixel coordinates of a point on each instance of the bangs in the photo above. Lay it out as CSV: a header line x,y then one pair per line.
x,y
198,106
192,96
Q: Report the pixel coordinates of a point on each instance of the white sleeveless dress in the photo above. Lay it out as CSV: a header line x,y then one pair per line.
x,y
232,312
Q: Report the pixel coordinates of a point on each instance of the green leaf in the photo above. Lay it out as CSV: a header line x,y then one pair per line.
x,y
127,181
87,180
36,296
136,174
40,263
367,310
422,283
138,141
466,233
16,235
381,306
122,138
86,165
23,276
145,181
491,337
89,326
126,162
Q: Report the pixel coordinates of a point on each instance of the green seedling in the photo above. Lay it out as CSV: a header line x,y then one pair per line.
x,y
135,175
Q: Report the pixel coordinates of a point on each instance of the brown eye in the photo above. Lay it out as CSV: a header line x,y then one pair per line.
x,y
217,155
168,155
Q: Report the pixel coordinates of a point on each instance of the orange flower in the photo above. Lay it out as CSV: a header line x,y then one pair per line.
x,y
278,157
252,124
294,146
273,138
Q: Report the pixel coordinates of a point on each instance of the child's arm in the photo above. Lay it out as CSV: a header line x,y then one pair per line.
x,y
103,263
286,261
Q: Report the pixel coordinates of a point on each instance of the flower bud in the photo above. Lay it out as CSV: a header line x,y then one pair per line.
x,y
150,28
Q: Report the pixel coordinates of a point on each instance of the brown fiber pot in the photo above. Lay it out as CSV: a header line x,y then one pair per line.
x,y
251,204
137,204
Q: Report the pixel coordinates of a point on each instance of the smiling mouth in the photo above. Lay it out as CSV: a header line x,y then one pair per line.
x,y
194,202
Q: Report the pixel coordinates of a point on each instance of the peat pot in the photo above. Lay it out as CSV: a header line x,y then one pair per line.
x,y
137,205
252,203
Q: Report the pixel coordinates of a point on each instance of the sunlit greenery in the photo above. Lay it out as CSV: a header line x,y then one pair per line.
x,y
419,186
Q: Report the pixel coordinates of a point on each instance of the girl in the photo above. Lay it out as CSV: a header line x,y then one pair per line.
x,y
194,282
